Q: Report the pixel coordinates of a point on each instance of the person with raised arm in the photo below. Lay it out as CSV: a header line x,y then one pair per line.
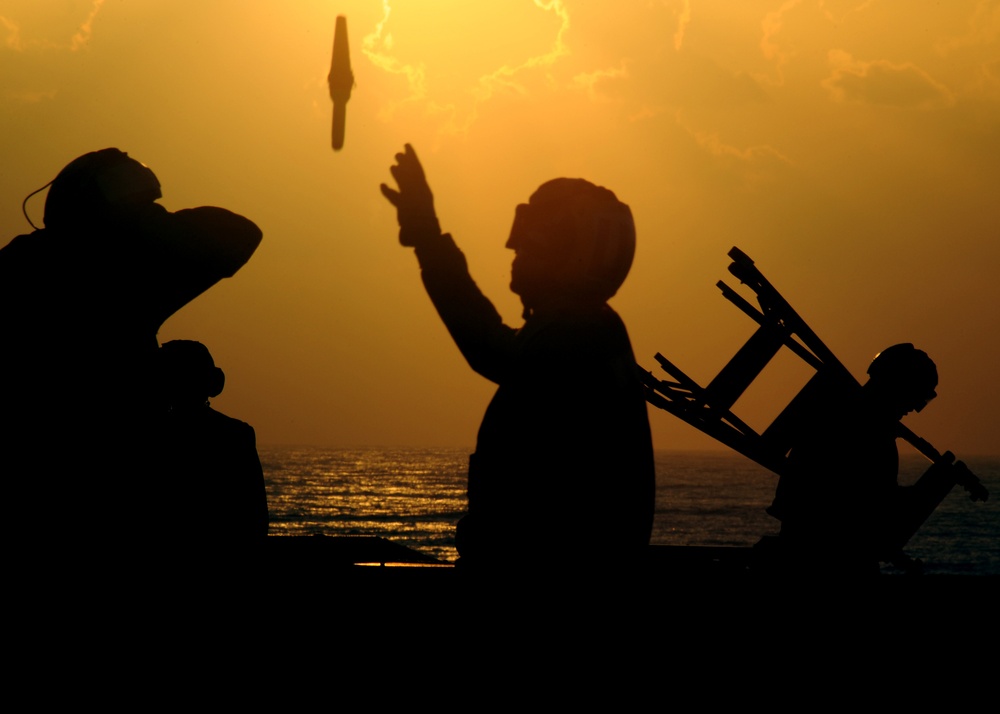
x,y
562,477
81,302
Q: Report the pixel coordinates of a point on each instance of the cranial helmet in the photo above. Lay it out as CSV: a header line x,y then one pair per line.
x,y
188,366
92,186
592,231
906,369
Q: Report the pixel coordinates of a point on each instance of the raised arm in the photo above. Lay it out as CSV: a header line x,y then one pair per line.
x,y
473,322
189,251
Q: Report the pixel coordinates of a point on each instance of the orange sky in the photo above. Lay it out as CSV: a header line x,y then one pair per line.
x,y
851,148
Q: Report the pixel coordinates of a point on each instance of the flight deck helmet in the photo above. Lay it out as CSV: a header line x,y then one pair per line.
x,y
905,372
188,369
584,229
91,187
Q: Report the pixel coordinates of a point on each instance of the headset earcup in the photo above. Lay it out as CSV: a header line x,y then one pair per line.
x,y
216,382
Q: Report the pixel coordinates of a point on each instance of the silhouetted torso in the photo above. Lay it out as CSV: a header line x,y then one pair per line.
x,y
837,507
212,477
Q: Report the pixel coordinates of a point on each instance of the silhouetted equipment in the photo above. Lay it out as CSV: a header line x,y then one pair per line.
x,y
341,81
709,408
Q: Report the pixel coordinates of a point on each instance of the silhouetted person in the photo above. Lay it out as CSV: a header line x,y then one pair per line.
x,y
841,505
81,301
210,460
563,473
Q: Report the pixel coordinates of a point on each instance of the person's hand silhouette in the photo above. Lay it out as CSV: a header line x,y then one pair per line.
x,y
414,201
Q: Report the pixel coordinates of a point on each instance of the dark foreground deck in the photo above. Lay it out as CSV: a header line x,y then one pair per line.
x,y
376,557
379,559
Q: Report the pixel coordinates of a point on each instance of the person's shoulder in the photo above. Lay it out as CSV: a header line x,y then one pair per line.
x,y
581,335
601,324
40,250
25,241
224,421
581,317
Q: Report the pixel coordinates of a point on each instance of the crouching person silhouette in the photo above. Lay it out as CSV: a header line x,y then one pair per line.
x,y
562,475
841,506
208,458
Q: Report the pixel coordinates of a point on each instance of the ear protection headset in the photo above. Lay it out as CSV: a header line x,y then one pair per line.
x,y
91,187
215,381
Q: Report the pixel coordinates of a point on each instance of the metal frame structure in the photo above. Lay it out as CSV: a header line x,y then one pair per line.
x,y
709,408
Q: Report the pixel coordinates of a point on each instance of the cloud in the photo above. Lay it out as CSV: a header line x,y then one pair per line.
x,y
377,47
683,20
773,25
884,83
589,81
983,29
770,27
853,7
82,36
12,34
711,142
12,37
505,76
756,164
69,36
457,116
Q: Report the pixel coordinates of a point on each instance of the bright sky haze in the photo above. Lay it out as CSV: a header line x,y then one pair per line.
x,y
851,148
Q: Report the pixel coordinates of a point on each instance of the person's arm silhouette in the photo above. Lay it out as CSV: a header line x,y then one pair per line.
x,y
470,317
193,249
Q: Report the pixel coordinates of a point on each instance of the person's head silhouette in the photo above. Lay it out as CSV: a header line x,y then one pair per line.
x,y
92,189
902,379
189,374
574,243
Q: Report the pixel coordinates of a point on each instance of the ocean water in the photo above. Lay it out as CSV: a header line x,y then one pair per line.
x,y
414,497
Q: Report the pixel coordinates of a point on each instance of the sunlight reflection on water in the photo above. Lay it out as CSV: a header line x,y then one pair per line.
x,y
414,497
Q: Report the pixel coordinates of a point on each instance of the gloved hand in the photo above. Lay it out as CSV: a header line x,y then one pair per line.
x,y
414,201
